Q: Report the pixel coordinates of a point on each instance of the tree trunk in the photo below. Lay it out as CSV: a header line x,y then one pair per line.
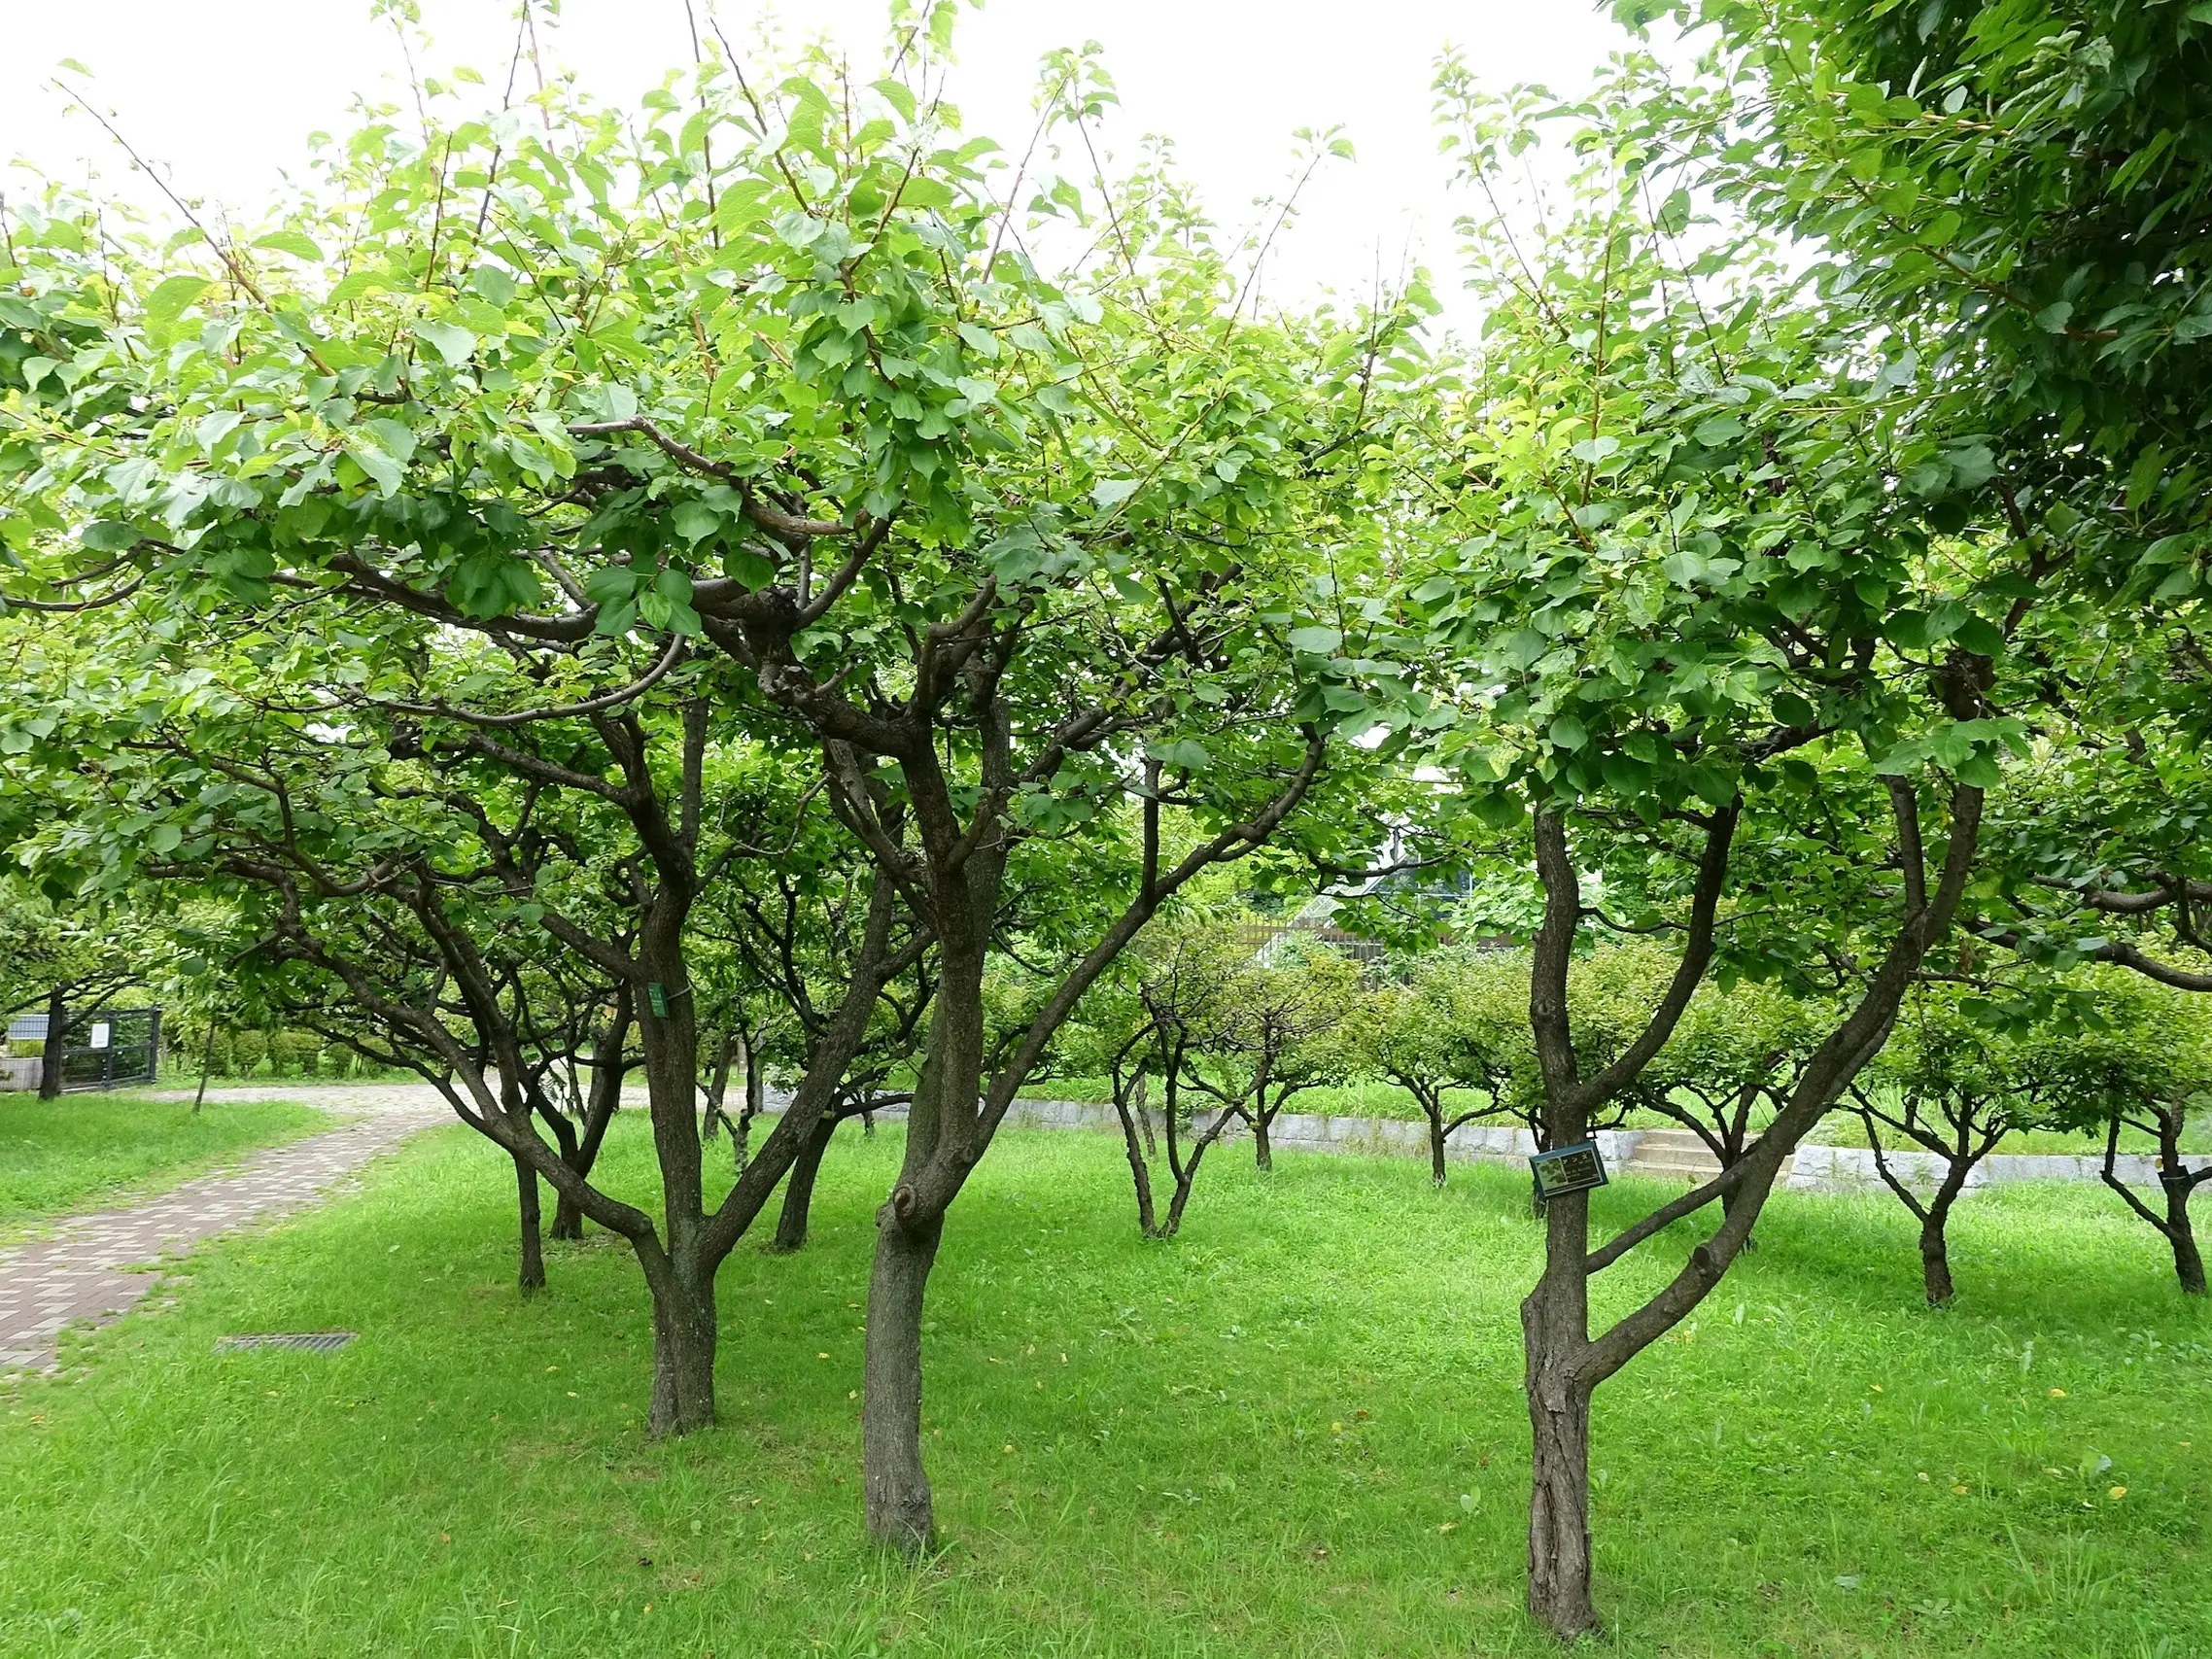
x,y
2188,1261
1180,1201
57,1034
799,1189
2181,1233
532,1278
568,1218
1263,1149
1140,1169
898,1506
1555,1322
684,1328
602,1100
1435,1148
1935,1252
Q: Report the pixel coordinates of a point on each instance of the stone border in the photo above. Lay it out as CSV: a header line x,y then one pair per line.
x,y
1814,1169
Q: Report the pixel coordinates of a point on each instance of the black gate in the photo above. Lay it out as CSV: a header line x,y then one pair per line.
x,y
114,1048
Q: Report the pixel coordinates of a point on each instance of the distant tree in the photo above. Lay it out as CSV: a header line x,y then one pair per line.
x,y
1456,1025
1733,1060
1143,1029
1954,1087
1275,1030
2139,1057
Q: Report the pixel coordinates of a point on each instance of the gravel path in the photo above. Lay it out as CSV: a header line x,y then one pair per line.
x,y
80,1270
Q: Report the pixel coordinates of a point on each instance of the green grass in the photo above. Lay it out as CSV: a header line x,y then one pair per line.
x,y
1296,1430
83,1152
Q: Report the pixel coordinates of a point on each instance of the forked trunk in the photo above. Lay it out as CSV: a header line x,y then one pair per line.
x,y
898,1506
799,1190
532,1277
683,1355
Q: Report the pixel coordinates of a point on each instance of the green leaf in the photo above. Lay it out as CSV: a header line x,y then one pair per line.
x,y
695,521
1568,733
109,535
168,300
1113,492
450,340
2053,319
747,567
493,283
1318,640
1981,635
292,242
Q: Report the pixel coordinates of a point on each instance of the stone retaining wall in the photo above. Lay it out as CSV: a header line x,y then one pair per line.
x,y
1814,1169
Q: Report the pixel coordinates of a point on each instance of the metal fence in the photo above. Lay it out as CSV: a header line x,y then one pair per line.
x,y
114,1048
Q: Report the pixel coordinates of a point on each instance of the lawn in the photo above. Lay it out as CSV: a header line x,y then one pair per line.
x,y
1296,1430
83,1151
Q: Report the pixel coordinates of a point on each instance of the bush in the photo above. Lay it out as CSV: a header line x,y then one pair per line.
x,y
248,1049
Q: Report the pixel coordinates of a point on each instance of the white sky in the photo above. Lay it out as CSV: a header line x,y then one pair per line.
x,y
225,91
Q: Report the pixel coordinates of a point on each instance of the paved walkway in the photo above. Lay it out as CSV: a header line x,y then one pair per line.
x,y
79,1272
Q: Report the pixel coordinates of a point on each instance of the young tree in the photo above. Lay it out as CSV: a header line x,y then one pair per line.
x,y
2136,1056
1274,1030
1146,1024
1456,1025
1734,1059
1955,1088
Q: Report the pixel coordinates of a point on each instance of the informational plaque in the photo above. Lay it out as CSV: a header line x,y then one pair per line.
x,y
1567,1169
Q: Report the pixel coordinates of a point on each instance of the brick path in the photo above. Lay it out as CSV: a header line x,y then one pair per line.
x,y
78,1272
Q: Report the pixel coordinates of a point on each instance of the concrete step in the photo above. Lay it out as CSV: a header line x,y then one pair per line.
x,y
1677,1154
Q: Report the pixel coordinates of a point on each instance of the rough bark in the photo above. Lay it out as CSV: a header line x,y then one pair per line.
x,y
1263,1147
899,1511
1437,1133
684,1335
2187,1260
1935,1254
1140,1165
1555,1331
531,1276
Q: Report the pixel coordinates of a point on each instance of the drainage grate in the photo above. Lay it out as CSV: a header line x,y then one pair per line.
x,y
314,1342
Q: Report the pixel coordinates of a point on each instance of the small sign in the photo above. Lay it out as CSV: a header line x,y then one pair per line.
x,y
657,996
1567,1169
310,1341
101,1032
